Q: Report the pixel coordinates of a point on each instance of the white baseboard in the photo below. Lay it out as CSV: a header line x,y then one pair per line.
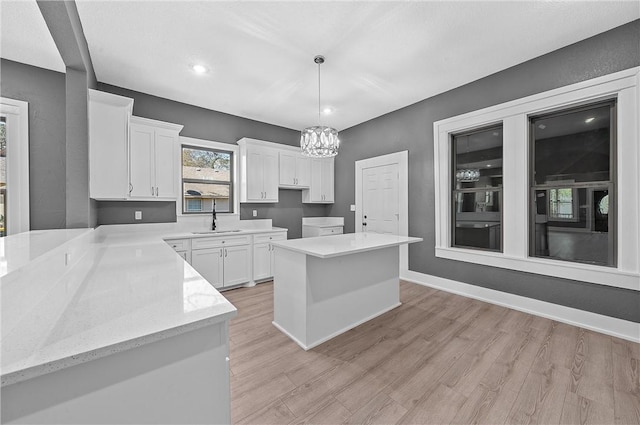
x,y
596,322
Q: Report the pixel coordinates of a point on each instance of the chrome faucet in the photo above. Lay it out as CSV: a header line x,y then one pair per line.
x,y
213,221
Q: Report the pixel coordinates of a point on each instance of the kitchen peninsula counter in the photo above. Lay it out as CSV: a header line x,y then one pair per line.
x,y
110,326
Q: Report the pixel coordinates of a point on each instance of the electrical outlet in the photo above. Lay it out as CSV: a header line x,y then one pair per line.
x,y
352,208
138,215
255,213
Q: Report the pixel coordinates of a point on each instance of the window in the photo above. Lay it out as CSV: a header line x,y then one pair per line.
x,y
477,189
563,204
568,201
572,153
207,180
194,205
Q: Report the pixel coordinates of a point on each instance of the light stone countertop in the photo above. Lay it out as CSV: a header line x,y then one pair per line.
x,y
72,296
345,244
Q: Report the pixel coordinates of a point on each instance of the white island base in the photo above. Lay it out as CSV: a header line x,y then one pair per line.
x,y
319,294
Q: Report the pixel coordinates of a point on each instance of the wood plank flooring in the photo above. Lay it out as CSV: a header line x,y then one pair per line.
x,y
439,358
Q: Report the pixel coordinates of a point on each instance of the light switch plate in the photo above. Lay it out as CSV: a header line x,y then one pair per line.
x,y
352,208
138,215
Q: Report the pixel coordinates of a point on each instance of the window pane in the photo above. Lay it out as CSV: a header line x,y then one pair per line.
x,y
573,231
202,164
572,177
478,159
200,197
478,219
573,147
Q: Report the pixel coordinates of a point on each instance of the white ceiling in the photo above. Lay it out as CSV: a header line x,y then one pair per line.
x,y
381,55
24,36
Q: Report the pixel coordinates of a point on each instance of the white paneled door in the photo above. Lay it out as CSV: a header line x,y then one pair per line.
x,y
380,199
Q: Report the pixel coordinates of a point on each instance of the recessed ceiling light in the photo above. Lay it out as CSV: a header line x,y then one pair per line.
x,y
588,120
199,69
328,110
495,133
488,165
542,126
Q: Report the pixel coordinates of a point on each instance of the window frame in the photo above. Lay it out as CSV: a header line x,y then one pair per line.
x,y
575,186
190,142
625,88
455,191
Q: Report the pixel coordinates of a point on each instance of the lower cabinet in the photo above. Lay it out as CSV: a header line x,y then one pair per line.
x,y
227,261
263,254
225,266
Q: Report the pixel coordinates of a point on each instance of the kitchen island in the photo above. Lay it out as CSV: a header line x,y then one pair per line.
x,y
103,326
324,286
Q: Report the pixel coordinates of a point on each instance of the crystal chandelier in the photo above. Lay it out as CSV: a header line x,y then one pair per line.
x,y
319,141
468,175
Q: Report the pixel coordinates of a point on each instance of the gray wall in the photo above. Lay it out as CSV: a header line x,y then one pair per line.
x,y
206,124
287,213
123,212
45,92
411,129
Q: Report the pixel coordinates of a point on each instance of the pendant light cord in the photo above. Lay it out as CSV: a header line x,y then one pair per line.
x,y
319,63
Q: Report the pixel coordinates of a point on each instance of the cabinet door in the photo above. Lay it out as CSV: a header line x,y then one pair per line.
x,y
303,170
270,176
237,266
315,187
209,263
287,169
327,180
255,173
108,156
140,162
165,163
186,255
261,261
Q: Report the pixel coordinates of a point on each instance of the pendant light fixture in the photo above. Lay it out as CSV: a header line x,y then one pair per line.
x,y
319,141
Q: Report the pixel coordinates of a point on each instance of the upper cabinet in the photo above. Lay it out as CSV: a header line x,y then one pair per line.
x,y
109,117
258,171
153,163
321,188
295,170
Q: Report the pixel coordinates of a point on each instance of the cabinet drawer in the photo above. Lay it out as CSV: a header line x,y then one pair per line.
x,y
268,237
179,244
331,231
220,241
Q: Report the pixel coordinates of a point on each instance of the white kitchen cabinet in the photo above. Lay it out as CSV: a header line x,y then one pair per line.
x,y
182,247
295,170
209,263
109,118
223,261
263,257
153,165
258,172
321,188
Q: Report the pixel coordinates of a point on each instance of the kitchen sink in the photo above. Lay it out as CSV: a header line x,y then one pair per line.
x,y
208,232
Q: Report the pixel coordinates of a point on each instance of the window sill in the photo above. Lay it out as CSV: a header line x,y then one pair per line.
x,y
602,275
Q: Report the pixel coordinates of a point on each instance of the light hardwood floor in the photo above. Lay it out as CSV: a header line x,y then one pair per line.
x,y
439,358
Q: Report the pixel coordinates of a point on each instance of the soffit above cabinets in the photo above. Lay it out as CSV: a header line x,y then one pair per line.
x,y
25,38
